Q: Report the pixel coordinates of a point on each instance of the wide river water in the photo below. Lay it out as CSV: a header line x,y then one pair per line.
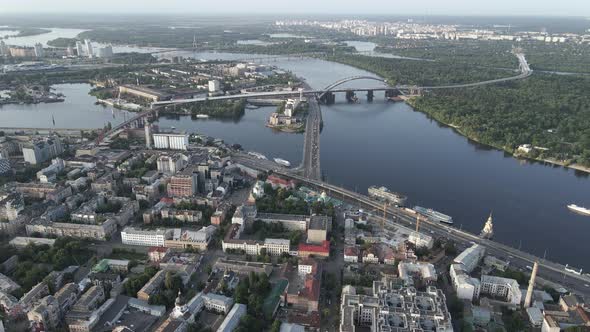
x,y
392,145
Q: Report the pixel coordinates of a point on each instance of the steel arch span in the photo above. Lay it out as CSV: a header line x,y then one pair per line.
x,y
348,79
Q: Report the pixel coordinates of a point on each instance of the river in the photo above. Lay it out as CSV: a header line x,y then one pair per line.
x,y
77,111
390,144
55,33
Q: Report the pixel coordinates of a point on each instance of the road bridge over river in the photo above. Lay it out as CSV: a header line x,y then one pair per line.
x,y
524,72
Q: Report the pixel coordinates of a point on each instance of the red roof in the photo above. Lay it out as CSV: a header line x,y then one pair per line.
x,y
167,200
351,251
277,180
324,248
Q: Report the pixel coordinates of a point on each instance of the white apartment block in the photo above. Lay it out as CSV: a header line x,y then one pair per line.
x,y
275,247
502,287
148,238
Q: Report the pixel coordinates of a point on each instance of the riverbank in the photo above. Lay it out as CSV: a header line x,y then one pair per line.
x,y
458,130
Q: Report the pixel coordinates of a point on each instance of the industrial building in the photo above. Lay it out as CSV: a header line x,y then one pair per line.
x,y
170,141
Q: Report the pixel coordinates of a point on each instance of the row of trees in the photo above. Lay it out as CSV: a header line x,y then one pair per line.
x,y
276,201
233,109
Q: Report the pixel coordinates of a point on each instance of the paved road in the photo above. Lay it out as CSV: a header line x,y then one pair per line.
x,y
548,270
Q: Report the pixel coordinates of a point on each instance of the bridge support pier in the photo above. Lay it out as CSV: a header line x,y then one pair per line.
x,y
391,93
351,96
328,98
370,95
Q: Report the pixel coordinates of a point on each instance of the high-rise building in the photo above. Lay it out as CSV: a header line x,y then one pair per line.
x,y
183,185
105,52
89,51
529,293
39,50
148,136
40,151
214,86
171,164
3,48
80,48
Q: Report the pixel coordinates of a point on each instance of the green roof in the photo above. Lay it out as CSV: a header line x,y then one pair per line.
x,y
101,266
271,302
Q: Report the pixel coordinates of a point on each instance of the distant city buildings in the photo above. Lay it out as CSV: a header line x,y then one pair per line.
x,y
410,30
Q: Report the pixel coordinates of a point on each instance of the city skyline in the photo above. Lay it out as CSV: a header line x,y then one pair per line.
x,y
382,7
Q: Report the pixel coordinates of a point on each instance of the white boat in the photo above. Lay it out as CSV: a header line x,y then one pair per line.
x,y
572,270
579,209
434,215
282,162
202,116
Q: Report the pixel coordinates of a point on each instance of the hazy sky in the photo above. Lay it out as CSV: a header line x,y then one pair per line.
x,y
420,7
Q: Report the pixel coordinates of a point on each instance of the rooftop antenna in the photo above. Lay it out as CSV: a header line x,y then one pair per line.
x,y
195,42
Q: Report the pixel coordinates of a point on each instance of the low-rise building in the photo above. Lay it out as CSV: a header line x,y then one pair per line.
x,y
183,239
351,254
232,320
409,271
421,240
317,231
148,238
45,316
314,250
7,285
151,286
67,296
218,303
182,215
22,242
11,205
90,300
101,231
501,287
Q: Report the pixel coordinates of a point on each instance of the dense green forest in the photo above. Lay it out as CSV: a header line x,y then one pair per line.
x,y
550,111
423,73
472,52
562,57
